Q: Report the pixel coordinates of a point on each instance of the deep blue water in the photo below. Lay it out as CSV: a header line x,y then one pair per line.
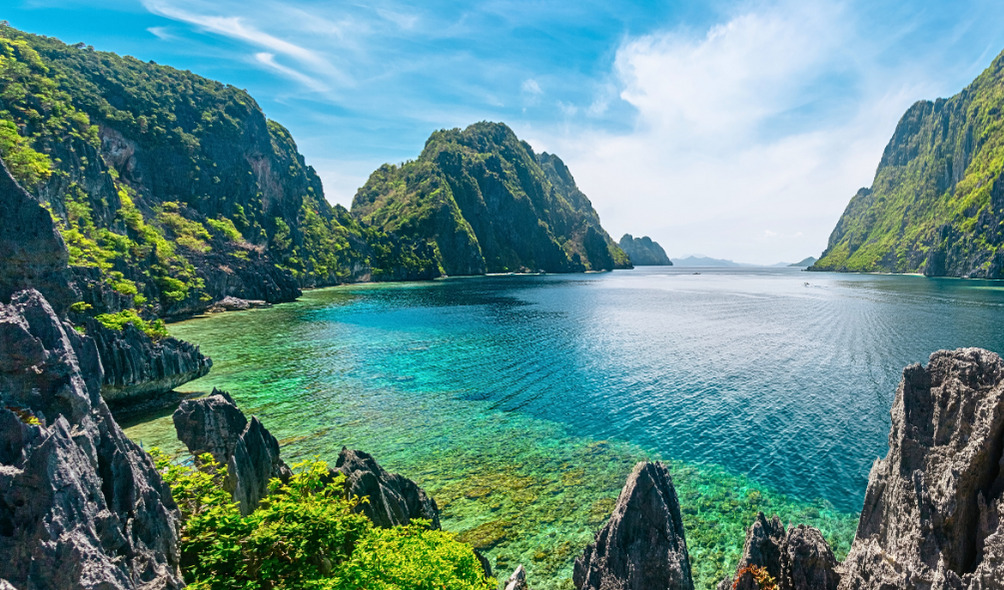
x,y
772,381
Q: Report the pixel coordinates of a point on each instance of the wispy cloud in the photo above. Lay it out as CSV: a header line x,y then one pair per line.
x,y
161,33
268,59
236,27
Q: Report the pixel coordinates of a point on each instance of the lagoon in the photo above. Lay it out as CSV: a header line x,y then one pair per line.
x,y
522,402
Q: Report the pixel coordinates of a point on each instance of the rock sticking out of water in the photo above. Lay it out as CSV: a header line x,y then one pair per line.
x,y
798,559
81,506
642,546
517,581
391,499
215,425
231,303
933,515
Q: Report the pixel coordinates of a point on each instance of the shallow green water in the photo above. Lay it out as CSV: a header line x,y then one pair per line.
x,y
521,403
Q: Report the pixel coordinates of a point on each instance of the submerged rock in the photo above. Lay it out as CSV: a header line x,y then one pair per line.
x,y
215,425
933,514
136,366
81,506
798,559
390,499
642,546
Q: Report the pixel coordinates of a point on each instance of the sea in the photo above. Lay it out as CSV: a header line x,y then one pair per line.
x,y
521,403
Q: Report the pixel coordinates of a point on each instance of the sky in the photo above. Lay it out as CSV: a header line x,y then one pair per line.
x,y
731,129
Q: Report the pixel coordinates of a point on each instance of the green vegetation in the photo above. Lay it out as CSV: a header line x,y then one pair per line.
x,y
305,534
485,202
937,202
149,170
117,321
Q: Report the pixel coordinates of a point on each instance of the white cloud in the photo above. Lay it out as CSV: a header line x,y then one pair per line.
x,y
268,59
734,133
531,87
235,27
161,33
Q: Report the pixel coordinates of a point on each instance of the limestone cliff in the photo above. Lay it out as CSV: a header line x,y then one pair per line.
x,y
35,255
486,202
644,251
642,546
81,506
937,201
933,514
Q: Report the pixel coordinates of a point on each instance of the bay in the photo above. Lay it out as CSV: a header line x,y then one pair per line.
x,y
522,402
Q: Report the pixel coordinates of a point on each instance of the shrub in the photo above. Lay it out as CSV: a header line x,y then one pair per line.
x,y
117,321
306,534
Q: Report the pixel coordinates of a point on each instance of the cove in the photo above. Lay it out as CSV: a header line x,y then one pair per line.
x,y
521,403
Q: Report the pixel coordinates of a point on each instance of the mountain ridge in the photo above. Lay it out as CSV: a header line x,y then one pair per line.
x,y
936,204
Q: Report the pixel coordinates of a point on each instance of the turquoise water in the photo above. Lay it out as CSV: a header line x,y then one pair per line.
x,y
521,403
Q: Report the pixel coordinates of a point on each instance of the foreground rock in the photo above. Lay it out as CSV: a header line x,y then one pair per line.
x,y
933,515
390,499
138,367
798,559
642,546
517,581
81,506
215,425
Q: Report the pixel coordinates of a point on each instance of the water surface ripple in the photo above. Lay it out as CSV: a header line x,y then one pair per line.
x,y
522,402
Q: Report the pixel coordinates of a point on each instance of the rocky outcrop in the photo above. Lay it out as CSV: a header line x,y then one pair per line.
x,y
933,514
136,366
798,559
644,251
642,546
32,252
215,425
81,506
389,499
936,204
517,581
230,303
489,204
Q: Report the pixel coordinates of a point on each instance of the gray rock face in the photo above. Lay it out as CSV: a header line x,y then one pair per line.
x,y
230,303
933,514
642,546
517,581
81,506
138,367
644,251
389,499
215,425
799,558
31,250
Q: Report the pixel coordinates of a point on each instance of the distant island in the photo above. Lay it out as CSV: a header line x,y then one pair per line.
x,y
698,260
804,263
644,251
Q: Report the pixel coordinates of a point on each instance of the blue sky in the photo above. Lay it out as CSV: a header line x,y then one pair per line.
x,y
731,129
